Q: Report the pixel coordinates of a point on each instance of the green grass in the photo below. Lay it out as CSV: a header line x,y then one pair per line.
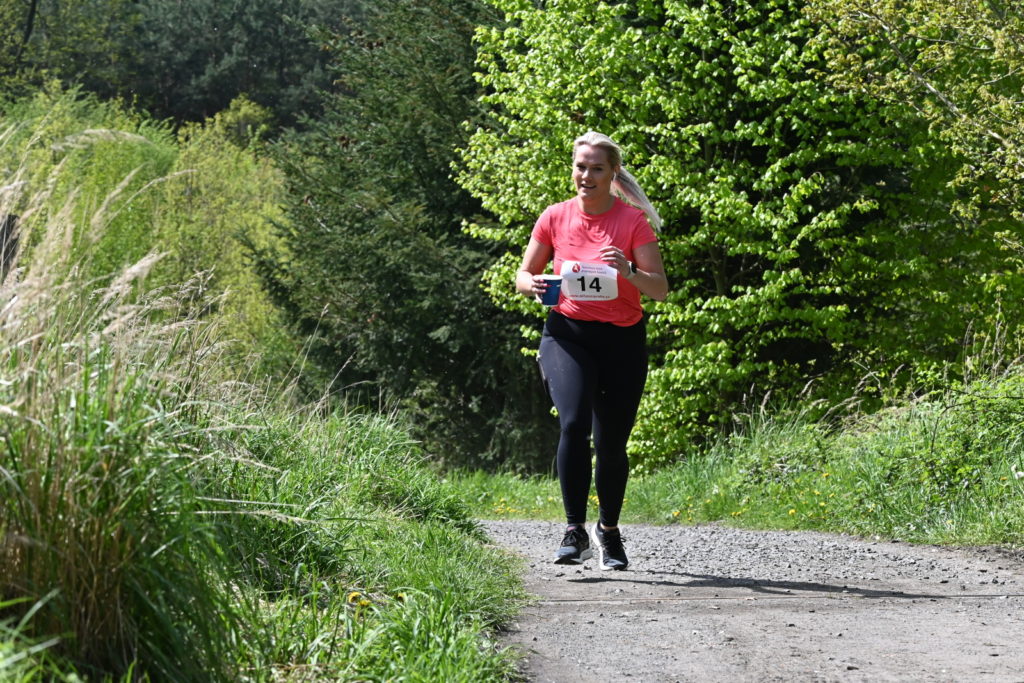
x,y
948,469
387,551
158,523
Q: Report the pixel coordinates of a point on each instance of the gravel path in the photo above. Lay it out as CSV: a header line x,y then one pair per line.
x,y
710,603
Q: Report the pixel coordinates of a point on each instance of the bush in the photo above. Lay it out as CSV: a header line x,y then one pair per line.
x,y
808,231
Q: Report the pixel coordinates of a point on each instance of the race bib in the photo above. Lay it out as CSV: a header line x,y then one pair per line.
x,y
589,281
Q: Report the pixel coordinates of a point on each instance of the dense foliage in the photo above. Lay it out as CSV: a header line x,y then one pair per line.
x,y
377,269
182,60
957,64
41,39
808,240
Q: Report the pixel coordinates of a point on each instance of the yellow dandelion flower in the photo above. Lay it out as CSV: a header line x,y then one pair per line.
x,y
354,596
675,513
792,511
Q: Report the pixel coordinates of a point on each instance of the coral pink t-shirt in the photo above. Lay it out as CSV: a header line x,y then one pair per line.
x,y
577,238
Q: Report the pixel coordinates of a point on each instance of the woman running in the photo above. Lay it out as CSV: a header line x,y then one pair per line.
x,y
593,353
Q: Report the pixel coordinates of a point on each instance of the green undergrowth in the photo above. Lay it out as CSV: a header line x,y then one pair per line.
x,y
947,468
161,520
154,531
365,566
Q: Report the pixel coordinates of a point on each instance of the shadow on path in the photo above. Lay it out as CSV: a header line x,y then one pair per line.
x,y
756,585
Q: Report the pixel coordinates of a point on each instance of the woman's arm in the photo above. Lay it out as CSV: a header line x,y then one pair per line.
x,y
535,260
650,271
649,277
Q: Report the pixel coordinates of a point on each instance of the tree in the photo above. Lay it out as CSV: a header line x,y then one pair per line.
x,y
958,63
17,33
180,59
807,236
377,268
77,41
189,59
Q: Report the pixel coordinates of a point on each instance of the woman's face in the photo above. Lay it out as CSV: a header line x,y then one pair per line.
x,y
592,174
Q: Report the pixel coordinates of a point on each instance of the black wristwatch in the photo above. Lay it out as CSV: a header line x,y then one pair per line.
x,y
632,270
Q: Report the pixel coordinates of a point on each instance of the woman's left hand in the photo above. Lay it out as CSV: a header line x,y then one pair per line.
x,y
615,258
649,275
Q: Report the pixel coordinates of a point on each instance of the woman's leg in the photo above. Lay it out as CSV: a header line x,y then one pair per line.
x,y
570,373
620,388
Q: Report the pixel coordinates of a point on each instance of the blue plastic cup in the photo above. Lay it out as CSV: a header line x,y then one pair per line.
x,y
550,296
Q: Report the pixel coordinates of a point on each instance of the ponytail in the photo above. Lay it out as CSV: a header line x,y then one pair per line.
x,y
629,189
624,184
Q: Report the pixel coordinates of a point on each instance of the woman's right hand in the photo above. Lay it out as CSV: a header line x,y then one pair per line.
x,y
540,285
529,282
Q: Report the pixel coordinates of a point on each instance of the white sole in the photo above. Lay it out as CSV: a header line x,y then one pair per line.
x,y
600,553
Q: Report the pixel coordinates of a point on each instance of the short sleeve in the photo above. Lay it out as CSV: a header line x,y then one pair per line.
x,y
643,233
542,229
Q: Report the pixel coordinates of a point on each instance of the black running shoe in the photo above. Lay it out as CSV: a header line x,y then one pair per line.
x,y
610,552
575,547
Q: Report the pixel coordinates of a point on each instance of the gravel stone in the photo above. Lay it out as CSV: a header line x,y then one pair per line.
x,y
713,603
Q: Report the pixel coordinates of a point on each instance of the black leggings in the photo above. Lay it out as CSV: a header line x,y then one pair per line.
x,y
595,374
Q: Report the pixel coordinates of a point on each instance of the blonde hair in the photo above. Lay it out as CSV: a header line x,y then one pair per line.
x,y
623,183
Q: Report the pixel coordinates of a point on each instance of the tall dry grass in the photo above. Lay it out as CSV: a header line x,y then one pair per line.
x,y
102,420
157,524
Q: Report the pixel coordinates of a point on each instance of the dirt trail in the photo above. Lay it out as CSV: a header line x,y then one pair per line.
x,y
710,603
